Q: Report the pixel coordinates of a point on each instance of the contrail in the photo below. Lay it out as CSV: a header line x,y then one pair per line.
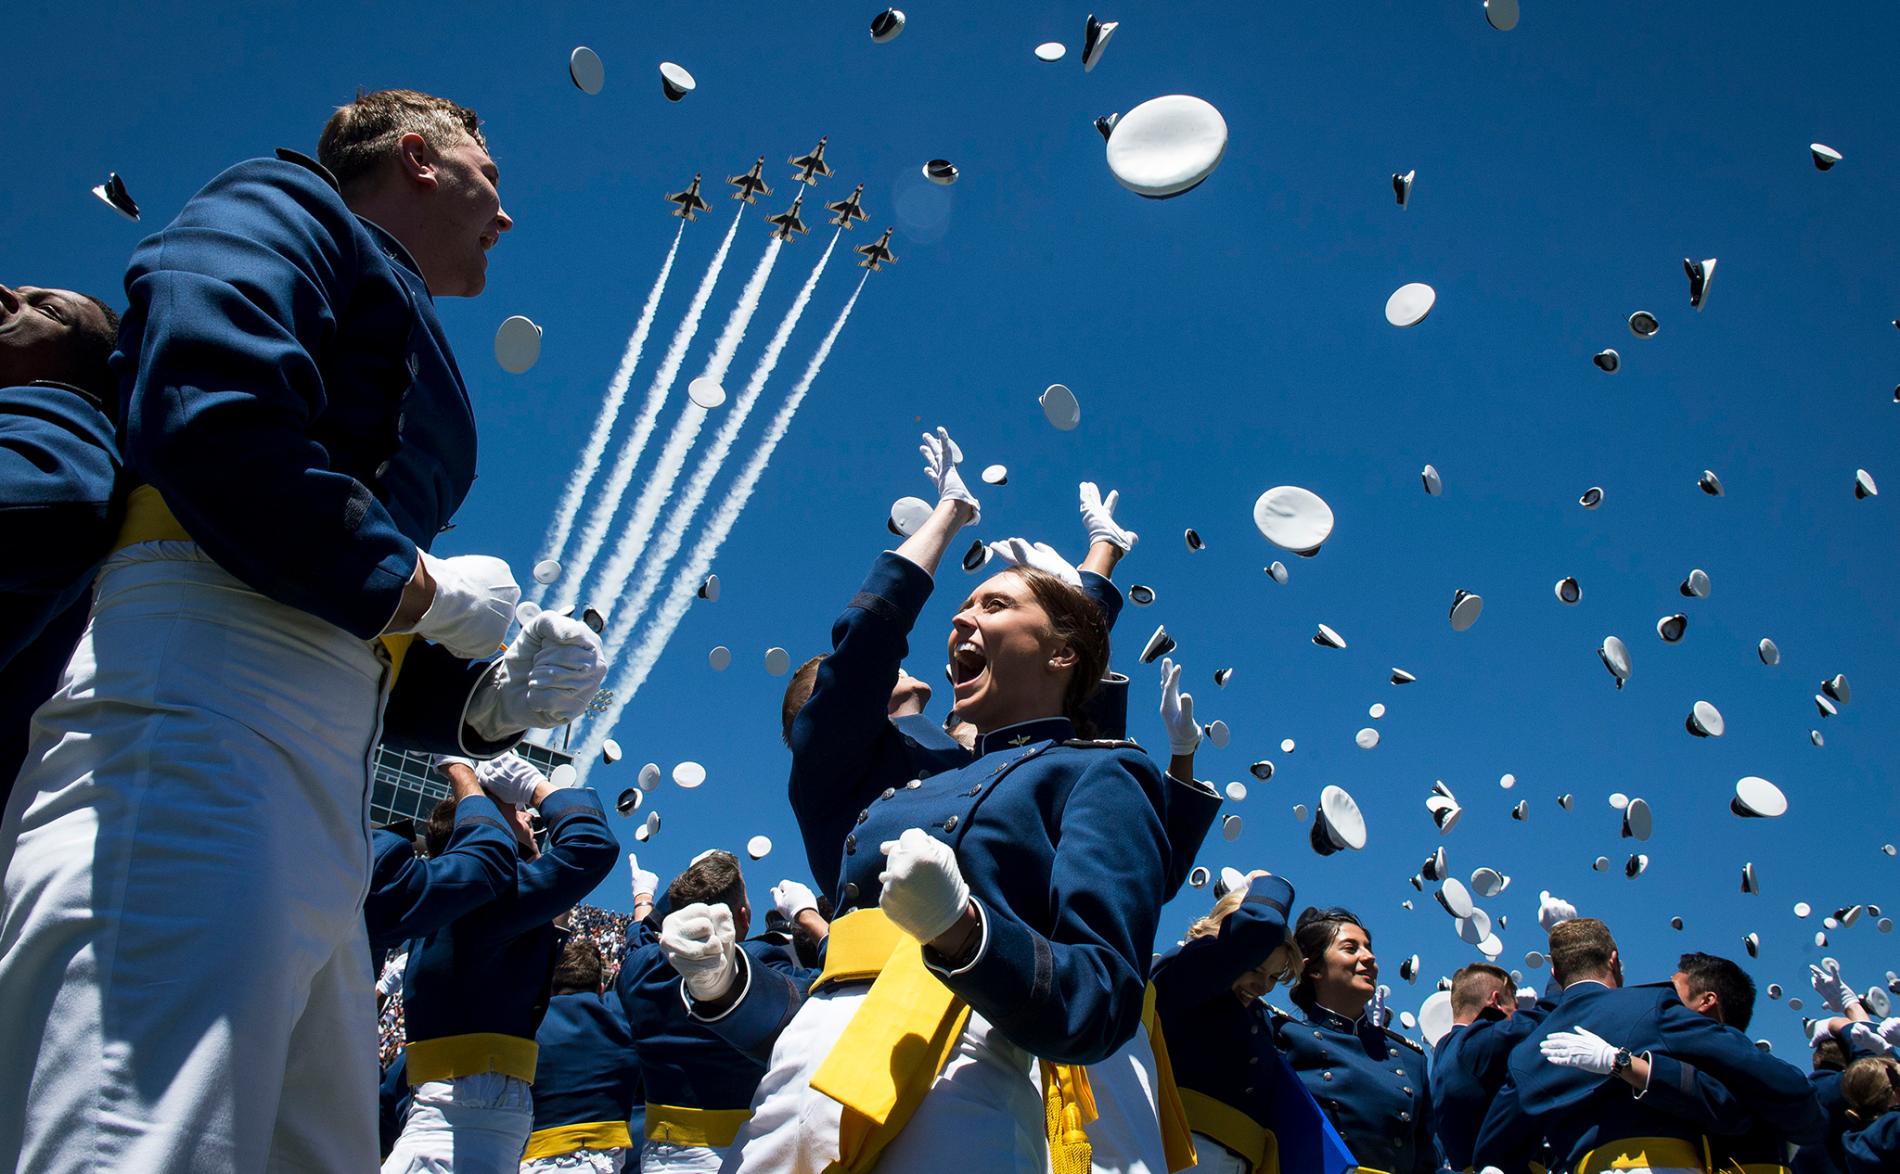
x,y
680,596
604,423
594,534
679,443
653,568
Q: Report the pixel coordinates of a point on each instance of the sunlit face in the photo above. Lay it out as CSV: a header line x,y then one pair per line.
x,y
1280,966
464,219
1005,658
41,332
1348,970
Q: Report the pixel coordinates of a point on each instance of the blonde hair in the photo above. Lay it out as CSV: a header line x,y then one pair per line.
x,y
1871,1087
1204,927
361,135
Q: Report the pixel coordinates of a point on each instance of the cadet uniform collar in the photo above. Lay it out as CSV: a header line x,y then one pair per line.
x,y
1327,1017
90,397
1040,729
392,248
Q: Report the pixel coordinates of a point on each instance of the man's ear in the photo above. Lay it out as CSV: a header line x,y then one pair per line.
x,y
417,160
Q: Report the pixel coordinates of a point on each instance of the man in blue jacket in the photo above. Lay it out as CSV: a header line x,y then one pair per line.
x,y
1629,1078
1470,1063
471,861
59,468
699,1086
299,434
476,990
587,1084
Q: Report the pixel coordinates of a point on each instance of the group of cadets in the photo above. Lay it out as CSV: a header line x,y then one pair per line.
x,y
232,601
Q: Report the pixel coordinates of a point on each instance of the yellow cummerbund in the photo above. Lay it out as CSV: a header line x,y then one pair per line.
x,y
588,1135
1638,1153
471,1055
1234,1129
679,1125
149,519
857,947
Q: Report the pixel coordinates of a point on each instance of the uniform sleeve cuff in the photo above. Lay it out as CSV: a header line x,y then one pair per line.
x,y
931,957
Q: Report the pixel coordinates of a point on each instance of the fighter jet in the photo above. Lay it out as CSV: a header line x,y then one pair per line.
x,y
788,221
750,186
689,201
877,253
847,209
812,166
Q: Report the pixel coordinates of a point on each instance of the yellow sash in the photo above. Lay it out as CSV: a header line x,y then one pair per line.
x,y
1240,1133
565,1139
1635,1153
471,1055
1177,1135
149,519
679,1125
899,1038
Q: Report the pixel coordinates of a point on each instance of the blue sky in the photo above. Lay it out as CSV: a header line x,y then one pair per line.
x,y
1220,343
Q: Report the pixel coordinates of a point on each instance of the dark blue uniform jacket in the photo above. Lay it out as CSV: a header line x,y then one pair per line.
x,y
291,394
688,1062
589,1070
1371,1082
1223,1049
1826,1156
411,896
1705,1079
488,971
1468,1068
1875,1149
59,467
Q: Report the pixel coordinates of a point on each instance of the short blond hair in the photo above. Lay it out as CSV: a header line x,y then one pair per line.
x,y
362,134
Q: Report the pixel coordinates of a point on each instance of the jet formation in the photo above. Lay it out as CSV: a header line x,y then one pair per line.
x,y
809,168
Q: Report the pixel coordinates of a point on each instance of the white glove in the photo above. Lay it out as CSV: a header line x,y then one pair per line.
x,y
643,881
511,779
1553,911
1835,994
791,899
442,763
924,893
391,981
1177,711
700,944
1377,1015
1526,998
940,465
1889,1030
475,597
547,678
1582,1049
1819,1030
1037,556
1098,517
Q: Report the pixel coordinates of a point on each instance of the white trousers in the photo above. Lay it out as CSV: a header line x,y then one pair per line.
x,y
666,1158
1215,1158
982,1113
611,1160
1125,1137
184,975
466,1125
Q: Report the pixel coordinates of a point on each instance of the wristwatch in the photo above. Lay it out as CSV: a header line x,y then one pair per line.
x,y
1619,1061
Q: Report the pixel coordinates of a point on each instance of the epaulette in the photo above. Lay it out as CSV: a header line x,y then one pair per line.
x,y
1275,1014
1101,743
1407,1041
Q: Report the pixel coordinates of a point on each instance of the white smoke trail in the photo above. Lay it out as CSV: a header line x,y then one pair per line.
x,y
659,486
680,595
594,533
653,567
576,491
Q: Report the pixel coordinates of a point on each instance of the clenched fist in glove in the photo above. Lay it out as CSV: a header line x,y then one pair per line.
x,y
924,893
475,597
1582,1049
940,465
547,678
1037,556
700,944
1177,711
511,779
791,899
1098,516
1554,911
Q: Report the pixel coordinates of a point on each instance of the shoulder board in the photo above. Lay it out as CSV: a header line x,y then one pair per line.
x,y
1276,1014
1100,743
1407,1041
